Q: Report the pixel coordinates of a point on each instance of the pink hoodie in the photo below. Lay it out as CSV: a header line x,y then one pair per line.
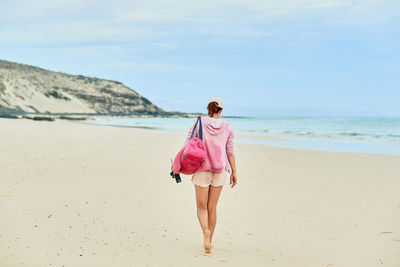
x,y
218,141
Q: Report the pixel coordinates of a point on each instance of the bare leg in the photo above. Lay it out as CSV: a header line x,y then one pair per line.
x,y
202,215
213,197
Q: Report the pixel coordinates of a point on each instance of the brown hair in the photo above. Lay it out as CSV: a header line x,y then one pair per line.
x,y
213,108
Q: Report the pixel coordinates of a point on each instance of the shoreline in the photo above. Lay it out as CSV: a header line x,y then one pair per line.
x,y
306,143
281,141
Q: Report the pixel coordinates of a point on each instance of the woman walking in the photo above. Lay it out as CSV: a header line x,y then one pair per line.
x,y
209,179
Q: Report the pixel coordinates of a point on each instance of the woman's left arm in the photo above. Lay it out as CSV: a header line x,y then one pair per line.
x,y
231,158
229,144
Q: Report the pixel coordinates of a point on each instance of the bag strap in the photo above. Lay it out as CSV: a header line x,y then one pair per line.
x,y
200,129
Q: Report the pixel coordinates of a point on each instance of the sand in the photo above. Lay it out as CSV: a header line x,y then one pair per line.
x,y
73,194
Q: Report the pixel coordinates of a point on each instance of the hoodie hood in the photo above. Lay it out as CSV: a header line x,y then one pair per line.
x,y
213,126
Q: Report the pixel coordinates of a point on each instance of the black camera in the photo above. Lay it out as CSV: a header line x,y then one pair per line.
x,y
176,176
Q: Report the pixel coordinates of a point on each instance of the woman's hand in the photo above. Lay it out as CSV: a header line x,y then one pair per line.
x,y
233,180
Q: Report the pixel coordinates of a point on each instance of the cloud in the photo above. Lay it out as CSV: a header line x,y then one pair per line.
x,y
91,28
80,21
25,10
74,32
171,11
169,25
222,11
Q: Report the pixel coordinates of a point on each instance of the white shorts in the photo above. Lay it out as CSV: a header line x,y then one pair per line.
x,y
206,178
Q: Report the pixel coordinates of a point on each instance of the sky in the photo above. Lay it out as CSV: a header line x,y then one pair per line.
x,y
261,57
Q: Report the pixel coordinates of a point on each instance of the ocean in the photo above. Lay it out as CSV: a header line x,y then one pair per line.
x,y
348,134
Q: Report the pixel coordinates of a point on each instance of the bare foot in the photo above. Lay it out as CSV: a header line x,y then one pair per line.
x,y
207,241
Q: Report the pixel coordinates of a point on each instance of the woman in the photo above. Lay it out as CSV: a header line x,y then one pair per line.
x,y
209,179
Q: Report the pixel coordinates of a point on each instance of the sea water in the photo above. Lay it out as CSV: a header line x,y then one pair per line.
x,y
353,134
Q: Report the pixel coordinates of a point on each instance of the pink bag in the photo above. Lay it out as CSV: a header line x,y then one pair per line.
x,y
192,155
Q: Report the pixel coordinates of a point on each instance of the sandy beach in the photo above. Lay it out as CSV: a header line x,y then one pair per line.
x,y
74,194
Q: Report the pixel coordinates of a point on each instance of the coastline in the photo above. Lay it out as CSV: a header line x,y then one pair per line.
x,y
75,194
286,141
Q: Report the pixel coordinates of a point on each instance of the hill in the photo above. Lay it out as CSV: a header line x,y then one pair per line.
x,y
29,89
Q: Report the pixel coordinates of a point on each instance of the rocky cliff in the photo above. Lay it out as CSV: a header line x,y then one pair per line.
x,y
31,89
